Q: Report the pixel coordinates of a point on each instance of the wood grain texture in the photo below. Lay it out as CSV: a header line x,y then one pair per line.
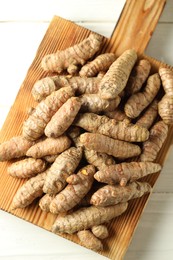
x,y
61,34
136,25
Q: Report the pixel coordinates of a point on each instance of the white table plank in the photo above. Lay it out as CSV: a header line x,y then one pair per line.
x,y
153,236
160,45
76,10
3,114
21,240
17,51
165,180
102,28
167,15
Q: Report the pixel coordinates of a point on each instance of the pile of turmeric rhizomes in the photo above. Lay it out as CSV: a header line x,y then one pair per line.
x,y
97,129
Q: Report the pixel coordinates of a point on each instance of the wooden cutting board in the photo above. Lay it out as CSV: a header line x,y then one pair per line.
x,y
134,29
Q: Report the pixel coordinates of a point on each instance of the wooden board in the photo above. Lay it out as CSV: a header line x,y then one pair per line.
x,y
136,25
61,34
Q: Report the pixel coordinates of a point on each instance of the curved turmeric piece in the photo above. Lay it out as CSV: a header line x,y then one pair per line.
x,y
101,63
146,120
99,160
139,101
105,144
34,126
71,195
138,76
63,118
15,147
117,114
165,105
110,195
100,231
64,165
45,86
124,172
49,146
152,146
45,201
117,75
29,191
72,56
121,130
26,168
95,104
89,240
87,217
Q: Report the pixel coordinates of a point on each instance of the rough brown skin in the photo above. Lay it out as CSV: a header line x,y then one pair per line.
x,y
139,101
101,74
64,165
152,146
71,195
87,217
93,103
100,231
85,202
30,110
165,109
44,87
29,191
166,75
147,119
117,114
16,147
124,172
26,168
165,106
121,130
137,77
50,158
74,179
73,132
82,85
117,76
69,58
63,118
78,143
99,160
89,240
49,146
34,126
100,63
111,195
105,144
44,202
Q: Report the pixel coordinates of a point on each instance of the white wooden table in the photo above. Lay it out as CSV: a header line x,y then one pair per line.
x,y
22,26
